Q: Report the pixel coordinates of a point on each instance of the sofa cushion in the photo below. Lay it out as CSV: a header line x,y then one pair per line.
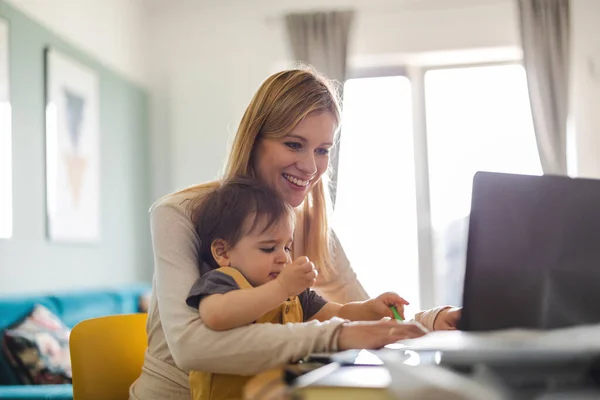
x,y
15,308
131,297
38,348
71,306
76,306
12,310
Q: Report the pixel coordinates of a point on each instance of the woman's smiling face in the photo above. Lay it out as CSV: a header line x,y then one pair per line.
x,y
293,164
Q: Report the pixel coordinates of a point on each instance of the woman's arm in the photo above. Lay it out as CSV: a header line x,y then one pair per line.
x,y
244,350
428,318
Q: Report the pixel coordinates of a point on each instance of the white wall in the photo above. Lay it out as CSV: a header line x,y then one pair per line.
x,y
29,262
585,95
212,57
110,30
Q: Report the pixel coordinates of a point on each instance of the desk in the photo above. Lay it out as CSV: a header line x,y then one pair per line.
x,y
328,382
333,382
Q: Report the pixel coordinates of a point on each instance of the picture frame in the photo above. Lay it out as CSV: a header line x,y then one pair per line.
x,y
72,150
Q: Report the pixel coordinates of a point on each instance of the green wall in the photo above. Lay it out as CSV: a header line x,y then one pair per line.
x,y
28,261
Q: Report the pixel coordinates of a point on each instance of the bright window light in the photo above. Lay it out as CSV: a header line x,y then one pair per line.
x,y
375,211
478,119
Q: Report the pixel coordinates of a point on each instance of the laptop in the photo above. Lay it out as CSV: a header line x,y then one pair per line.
x,y
533,262
533,253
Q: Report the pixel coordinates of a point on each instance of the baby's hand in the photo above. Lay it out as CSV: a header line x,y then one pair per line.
x,y
379,307
297,276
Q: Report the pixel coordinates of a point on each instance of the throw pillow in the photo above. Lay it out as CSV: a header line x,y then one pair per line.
x,y
38,348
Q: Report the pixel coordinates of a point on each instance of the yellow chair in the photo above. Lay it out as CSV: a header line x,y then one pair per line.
x,y
107,355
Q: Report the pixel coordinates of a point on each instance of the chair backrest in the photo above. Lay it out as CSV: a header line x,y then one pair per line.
x,y
107,354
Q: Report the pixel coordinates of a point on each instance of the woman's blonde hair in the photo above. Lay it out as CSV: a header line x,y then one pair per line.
x,y
282,101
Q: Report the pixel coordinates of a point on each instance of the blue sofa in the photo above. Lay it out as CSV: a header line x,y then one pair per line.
x,y
72,307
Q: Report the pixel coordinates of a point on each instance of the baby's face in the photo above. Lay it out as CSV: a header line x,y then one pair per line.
x,y
260,256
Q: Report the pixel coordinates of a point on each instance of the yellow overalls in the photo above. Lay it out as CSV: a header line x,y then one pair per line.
x,y
209,386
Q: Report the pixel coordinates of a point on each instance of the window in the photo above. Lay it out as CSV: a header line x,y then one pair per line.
x,y
478,119
375,216
468,119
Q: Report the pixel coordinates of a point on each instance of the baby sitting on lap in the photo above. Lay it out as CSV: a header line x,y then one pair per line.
x,y
247,276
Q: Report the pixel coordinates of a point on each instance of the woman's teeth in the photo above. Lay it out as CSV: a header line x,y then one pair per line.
x,y
295,180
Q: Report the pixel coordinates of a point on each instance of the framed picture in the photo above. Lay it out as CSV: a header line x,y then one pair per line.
x,y
72,150
6,223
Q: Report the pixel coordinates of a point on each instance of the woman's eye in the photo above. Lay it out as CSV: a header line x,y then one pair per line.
x,y
322,151
269,250
288,249
293,145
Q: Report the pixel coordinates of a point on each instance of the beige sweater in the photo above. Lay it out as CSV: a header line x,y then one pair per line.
x,y
178,340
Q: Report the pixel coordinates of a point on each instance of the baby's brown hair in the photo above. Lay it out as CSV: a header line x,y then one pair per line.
x,y
226,212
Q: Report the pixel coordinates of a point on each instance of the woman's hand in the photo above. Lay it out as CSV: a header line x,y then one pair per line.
x,y
374,335
447,319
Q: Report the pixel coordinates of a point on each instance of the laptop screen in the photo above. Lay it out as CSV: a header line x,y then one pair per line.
x,y
533,253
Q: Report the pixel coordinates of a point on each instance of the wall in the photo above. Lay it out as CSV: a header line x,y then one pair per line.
x,y
111,31
585,94
28,262
214,55
117,33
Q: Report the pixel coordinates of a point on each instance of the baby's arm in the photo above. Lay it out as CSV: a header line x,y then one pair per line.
x,y
369,310
240,307
223,305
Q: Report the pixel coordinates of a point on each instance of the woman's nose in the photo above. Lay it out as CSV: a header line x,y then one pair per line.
x,y
307,164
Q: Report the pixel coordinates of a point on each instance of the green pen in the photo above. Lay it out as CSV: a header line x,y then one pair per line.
x,y
396,314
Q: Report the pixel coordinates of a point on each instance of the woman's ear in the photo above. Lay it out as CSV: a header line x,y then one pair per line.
x,y
219,249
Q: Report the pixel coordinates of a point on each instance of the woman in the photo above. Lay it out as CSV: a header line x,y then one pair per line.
x,y
284,139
